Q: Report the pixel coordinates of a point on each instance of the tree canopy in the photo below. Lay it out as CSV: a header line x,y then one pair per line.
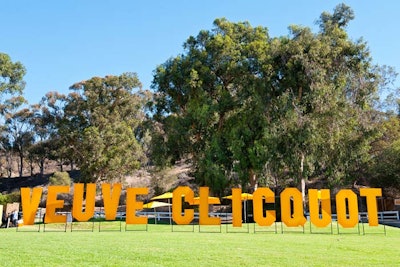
x,y
11,76
243,104
11,89
100,125
245,108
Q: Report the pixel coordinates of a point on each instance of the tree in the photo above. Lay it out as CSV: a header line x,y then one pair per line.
x,y
18,128
100,124
327,89
11,76
46,118
11,85
238,102
204,95
382,170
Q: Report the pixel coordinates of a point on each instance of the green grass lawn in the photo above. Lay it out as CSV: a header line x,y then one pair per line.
x,y
191,246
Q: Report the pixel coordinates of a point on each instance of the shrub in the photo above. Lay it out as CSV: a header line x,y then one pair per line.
x,y
15,196
60,178
3,199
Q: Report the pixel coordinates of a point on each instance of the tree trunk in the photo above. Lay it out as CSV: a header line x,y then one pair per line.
x,y
41,166
9,164
302,179
31,165
253,180
21,163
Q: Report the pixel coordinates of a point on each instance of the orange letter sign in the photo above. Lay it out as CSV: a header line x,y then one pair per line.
x,y
371,194
297,217
188,214
111,200
237,207
53,203
351,197
204,218
316,199
30,204
263,195
132,205
77,209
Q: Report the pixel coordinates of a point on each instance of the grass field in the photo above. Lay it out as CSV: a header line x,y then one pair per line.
x,y
194,246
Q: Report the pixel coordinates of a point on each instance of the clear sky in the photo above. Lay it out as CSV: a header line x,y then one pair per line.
x,y
63,42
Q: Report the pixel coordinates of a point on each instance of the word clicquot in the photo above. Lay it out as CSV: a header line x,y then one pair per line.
x,y
292,212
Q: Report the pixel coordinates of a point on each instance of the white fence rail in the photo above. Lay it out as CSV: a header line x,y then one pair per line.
x,y
382,215
225,217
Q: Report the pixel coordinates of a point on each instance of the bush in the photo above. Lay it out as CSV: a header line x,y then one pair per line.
x,y
15,196
385,170
60,178
3,199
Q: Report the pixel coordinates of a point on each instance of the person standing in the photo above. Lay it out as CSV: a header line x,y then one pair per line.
x,y
14,218
4,219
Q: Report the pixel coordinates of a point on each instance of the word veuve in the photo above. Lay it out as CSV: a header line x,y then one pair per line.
x,y
291,204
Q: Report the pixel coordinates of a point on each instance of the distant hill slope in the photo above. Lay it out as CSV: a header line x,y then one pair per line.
x,y
156,181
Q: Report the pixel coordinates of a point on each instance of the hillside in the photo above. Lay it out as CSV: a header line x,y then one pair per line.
x,y
157,181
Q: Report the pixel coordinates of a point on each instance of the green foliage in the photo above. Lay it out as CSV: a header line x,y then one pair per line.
x,y
204,94
327,85
11,76
12,197
60,178
47,115
19,131
101,125
342,15
244,105
14,132
383,169
3,199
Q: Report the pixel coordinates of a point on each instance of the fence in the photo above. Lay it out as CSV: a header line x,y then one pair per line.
x,y
225,217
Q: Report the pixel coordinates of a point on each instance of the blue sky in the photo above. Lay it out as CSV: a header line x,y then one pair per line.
x,y
63,42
